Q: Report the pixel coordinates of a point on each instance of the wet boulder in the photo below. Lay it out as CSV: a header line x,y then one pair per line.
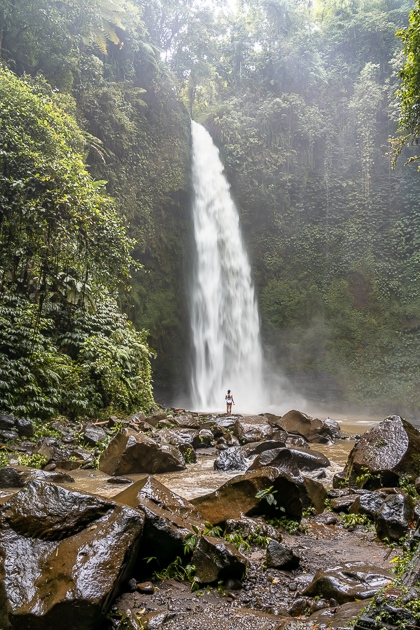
x,y
130,452
348,582
63,557
231,459
255,429
7,422
255,448
393,517
311,429
237,496
384,454
215,559
169,518
279,556
93,435
182,439
367,503
186,422
205,439
305,459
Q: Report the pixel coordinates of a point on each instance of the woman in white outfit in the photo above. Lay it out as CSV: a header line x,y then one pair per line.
x,y
229,401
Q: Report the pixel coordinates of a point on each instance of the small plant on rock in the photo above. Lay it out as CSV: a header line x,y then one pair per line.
x,y
268,495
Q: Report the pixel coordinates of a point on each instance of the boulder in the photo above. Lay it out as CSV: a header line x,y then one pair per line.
x,y
205,439
305,459
156,417
255,448
255,431
24,427
312,429
7,422
367,503
9,436
168,518
237,496
384,454
230,459
131,452
63,557
215,559
93,435
279,556
348,582
186,422
393,517
182,439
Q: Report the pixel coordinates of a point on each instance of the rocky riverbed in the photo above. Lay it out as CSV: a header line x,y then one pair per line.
x,y
191,521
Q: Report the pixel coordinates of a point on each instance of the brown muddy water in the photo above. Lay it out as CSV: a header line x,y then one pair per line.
x,y
200,478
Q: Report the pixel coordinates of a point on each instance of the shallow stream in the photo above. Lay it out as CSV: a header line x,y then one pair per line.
x,y
200,478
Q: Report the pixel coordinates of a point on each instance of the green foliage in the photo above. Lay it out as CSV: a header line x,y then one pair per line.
x,y
406,482
366,476
291,526
4,459
176,570
353,520
268,495
236,539
34,461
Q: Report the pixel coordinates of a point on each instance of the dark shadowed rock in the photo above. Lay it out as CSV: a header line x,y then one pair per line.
x,y
63,557
93,435
305,459
215,559
237,496
278,556
183,439
168,518
231,459
7,422
131,452
348,582
387,452
393,517
24,427
9,436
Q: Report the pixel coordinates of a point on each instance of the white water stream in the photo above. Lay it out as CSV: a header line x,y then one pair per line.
x,y
225,323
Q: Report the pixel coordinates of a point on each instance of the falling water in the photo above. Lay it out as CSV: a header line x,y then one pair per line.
x,y
227,350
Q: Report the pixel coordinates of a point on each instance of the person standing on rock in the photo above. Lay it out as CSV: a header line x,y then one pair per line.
x,y
229,401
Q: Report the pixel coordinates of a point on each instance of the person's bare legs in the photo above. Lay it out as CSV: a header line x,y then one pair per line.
x,y
228,407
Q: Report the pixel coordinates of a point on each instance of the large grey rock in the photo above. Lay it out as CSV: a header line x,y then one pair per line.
x,y
348,582
63,557
393,517
7,422
131,452
93,435
384,454
255,448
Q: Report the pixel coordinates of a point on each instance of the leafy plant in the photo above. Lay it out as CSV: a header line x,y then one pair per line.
x,y
240,543
268,495
177,571
353,520
34,461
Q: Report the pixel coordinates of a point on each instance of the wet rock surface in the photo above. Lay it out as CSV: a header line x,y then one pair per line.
x,y
385,454
63,557
131,452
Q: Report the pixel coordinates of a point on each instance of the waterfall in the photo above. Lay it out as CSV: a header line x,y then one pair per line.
x,y
227,351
